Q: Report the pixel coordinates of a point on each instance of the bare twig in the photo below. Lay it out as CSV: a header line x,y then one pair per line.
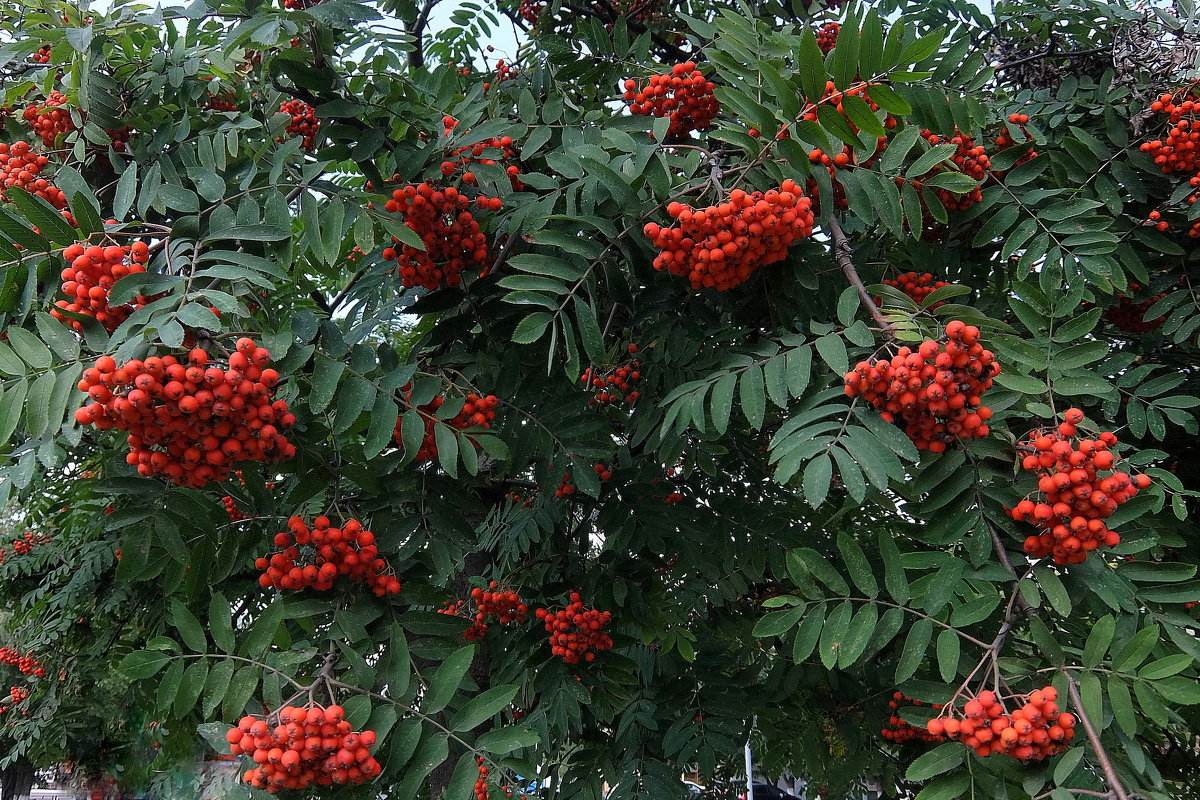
x,y
1114,783
844,255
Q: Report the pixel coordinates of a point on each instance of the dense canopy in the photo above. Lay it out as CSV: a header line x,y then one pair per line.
x,y
417,403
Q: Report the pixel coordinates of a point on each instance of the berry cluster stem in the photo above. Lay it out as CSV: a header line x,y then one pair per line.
x,y
844,255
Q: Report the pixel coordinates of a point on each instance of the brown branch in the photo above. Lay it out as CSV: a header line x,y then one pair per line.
x,y
844,255
1110,774
1052,53
416,56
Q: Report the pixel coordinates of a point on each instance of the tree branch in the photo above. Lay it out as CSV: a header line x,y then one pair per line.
x,y
1052,53
844,255
1110,774
416,56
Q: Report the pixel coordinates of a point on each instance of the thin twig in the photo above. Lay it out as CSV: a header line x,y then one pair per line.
x,y
844,256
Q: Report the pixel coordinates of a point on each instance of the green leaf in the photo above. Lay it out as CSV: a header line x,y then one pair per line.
x,y
1136,649
143,663
1098,640
220,624
219,678
482,707
859,636
834,634
241,688
722,401
446,679
194,679
504,740
531,328
857,565
946,787
752,395
326,373
948,647
778,623
39,212
820,568
188,626
893,569
1122,705
126,191
29,348
807,633
382,425
937,761
913,653
1067,764
833,352
1165,667
168,685
817,476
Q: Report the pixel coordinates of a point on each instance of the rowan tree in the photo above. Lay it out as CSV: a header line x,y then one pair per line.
x,y
398,416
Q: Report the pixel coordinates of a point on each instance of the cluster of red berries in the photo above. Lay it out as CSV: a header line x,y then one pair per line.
x,y
1129,316
477,412
827,36
616,386
531,10
488,152
304,122
1074,498
504,72
330,553
191,421
90,274
224,101
566,488
576,632
25,664
23,545
303,747
1155,220
1005,140
1180,150
20,167
519,499
970,159
898,731
42,56
683,94
16,695
936,390
299,5
231,506
916,285
453,240
51,120
1034,731
719,247
503,604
